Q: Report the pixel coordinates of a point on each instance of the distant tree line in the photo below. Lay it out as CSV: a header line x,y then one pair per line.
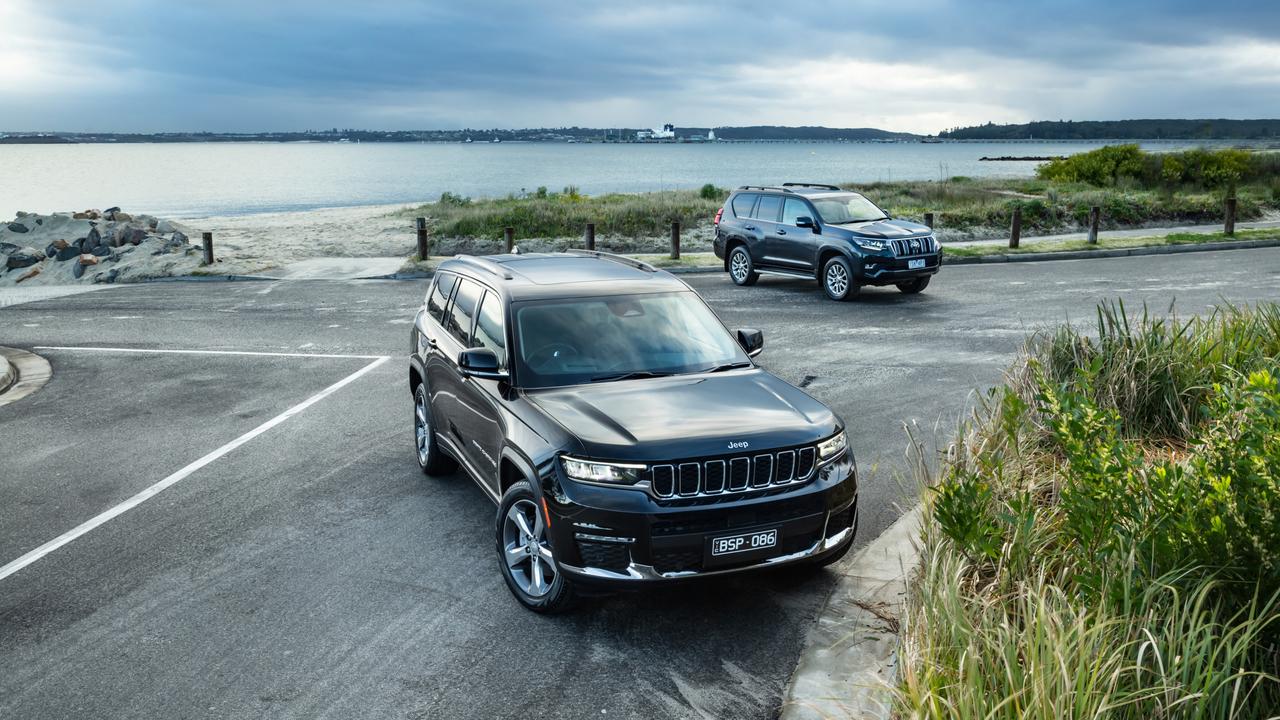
x,y
1219,129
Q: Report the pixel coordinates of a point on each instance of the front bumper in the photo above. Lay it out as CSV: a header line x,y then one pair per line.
x,y
616,537
888,269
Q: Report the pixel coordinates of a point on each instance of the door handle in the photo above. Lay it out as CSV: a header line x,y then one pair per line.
x,y
781,231
750,227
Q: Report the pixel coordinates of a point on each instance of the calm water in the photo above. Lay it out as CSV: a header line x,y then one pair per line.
x,y
185,180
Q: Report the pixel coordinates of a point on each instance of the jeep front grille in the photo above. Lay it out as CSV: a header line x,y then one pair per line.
x,y
733,474
914,246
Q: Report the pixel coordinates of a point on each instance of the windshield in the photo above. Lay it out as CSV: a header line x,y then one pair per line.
x,y
851,208
601,339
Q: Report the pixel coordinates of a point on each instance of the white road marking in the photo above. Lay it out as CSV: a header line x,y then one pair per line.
x,y
211,352
180,475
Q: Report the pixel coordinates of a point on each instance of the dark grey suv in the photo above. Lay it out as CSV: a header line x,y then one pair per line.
x,y
822,232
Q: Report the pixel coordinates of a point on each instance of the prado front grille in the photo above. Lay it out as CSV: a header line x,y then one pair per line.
x,y
720,476
914,246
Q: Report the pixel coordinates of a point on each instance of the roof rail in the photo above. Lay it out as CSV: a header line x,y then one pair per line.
x,y
763,187
812,185
637,264
486,265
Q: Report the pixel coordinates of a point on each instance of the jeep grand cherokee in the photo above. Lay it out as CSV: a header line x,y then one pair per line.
x,y
626,436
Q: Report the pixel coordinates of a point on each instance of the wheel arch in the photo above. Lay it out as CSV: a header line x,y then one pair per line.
x,y
827,252
732,242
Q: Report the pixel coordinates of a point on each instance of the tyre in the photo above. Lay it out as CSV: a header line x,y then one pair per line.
x,y
525,556
911,287
741,270
431,459
837,279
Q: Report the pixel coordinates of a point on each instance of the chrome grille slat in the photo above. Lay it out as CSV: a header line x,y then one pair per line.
x,y
739,474
902,248
722,476
663,480
689,479
785,468
713,477
763,474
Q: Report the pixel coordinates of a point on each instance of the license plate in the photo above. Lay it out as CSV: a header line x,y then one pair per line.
x,y
744,542
915,264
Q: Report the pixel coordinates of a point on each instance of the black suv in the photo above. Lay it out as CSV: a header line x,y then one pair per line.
x,y
625,435
825,233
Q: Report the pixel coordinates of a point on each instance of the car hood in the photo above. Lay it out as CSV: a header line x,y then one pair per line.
x,y
888,229
686,415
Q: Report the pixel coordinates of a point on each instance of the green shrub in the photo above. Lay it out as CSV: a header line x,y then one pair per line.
x,y
448,198
711,192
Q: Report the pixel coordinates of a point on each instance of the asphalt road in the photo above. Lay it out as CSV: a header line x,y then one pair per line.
x,y
311,571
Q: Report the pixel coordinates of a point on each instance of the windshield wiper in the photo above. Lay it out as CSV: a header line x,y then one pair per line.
x,y
630,375
728,366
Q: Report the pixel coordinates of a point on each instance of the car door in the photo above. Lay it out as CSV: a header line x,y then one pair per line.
x,y
480,421
447,381
738,223
765,225
435,362
794,246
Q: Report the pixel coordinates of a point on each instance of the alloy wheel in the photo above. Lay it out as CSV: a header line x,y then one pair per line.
x,y
422,429
837,279
526,551
738,266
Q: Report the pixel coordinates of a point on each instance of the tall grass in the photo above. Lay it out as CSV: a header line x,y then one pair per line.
x,y
1101,540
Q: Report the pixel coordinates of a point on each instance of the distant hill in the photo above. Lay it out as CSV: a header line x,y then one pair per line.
x,y
782,132
562,134
1220,129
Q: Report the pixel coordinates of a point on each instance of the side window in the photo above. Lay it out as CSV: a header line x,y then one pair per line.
x,y
463,309
794,208
489,330
768,208
742,204
439,296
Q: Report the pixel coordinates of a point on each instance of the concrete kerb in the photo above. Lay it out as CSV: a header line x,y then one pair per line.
x,y
850,662
8,375
29,373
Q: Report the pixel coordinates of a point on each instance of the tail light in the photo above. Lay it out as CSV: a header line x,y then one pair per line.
x,y
719,213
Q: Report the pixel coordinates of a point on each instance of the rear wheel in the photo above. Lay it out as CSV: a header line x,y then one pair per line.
x,y
525,556
741,269
911,287
837,279
431,459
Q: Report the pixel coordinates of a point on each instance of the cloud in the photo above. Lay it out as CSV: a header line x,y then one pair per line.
x,y
919,65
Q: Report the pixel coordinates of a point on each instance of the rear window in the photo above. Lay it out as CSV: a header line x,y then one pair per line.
x,y
439,297
462,310
742,204
768,209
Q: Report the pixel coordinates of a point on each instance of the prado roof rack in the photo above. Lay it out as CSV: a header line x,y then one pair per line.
x,y
812,185
486,265
623,259
762,187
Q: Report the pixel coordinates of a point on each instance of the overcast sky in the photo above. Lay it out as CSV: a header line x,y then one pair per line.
x,y
912,65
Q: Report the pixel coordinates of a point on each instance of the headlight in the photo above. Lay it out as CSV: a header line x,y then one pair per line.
x,y
832,447
598,472
869,244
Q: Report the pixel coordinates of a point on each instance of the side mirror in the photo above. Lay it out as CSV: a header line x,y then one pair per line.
x,y
804,221
480,363
751,340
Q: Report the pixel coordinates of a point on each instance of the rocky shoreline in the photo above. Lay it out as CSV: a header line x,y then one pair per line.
x,y
93,246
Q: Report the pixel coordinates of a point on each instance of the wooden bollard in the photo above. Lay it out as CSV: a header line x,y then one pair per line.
x,y
1229,226
928,220
1015,230
591,236
675,239
207,240
424,246
1095,214
509,235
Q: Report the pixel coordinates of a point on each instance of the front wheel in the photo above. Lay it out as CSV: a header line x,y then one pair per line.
x,y
911,287
525,556
837,279
741,269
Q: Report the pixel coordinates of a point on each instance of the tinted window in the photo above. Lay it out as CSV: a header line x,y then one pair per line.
x,y
851,208
768,208
439,296
489,332
794,208
742,204
462,310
